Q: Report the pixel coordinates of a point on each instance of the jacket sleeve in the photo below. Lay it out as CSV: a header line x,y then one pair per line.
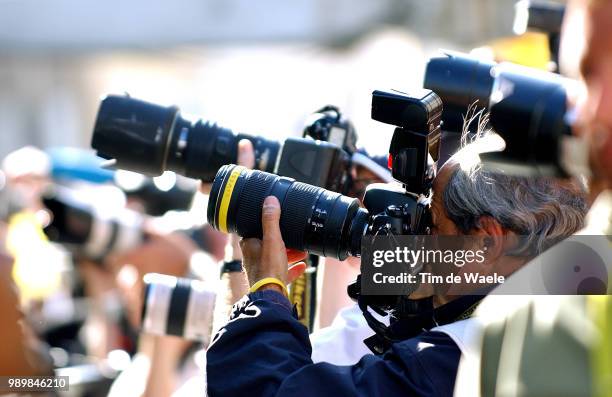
x,y
264,351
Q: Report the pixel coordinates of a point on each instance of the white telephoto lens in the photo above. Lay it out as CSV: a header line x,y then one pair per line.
x,y
178,306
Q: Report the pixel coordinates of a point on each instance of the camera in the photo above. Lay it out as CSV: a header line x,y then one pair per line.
x,y
156,196
322,157
177,306
327,223
150,139
139,136
461,82
90,231
527,107
169,192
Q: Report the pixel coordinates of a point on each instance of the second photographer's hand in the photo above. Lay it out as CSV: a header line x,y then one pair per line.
x,y
268,257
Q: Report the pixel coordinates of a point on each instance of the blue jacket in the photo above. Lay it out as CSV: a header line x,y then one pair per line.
x,y
265,351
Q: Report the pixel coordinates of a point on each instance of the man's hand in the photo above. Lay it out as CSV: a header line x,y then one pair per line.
x,y
269,257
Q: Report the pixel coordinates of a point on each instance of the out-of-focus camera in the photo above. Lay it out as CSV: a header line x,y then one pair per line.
x,y
75,167
90,231
177,306
150,139
322,157
527,107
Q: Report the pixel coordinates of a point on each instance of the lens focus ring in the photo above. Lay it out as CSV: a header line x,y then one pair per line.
x,y
312,218
296,211
248,210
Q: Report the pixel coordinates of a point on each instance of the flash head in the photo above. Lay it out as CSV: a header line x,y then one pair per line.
x,y
415,143
415,111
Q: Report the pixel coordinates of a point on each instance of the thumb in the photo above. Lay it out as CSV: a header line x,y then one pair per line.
x,y
246,154
270,217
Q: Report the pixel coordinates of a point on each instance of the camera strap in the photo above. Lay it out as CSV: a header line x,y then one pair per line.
x,y
412,317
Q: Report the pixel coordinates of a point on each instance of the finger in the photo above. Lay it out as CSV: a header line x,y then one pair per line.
x,y
246,153
295,271
205,188
270,217
295,255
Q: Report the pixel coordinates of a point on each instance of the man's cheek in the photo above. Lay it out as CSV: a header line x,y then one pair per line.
x,y
604,155
600,147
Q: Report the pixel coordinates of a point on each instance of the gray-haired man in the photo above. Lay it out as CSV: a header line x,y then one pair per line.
x,y
268,352
561,345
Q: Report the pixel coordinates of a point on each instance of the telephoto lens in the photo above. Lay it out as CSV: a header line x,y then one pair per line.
x,y
177,306
527,107
90,231
313,219
461,82
147,138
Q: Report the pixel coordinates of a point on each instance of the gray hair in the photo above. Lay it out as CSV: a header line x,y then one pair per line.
x,y
543,210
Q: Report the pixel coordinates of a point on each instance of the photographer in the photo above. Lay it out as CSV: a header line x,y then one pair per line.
x,y
333,302
267,352
574,330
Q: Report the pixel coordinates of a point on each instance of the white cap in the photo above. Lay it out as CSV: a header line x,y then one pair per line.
x,y
26,161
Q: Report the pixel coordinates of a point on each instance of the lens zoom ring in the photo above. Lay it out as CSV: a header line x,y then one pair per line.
x,y
296,211
248,216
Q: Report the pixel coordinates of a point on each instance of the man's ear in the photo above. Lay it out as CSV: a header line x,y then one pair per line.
x,y
492,234
490,226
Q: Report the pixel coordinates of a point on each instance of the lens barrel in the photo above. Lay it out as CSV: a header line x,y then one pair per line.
x,y
461,82
527,107
528,110
312,219
177,306
89,231
135,133
147,138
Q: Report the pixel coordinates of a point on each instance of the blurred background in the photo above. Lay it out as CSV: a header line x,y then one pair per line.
x,y
256,67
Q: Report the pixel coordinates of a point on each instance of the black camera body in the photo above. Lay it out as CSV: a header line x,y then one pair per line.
x,y
322,157
402,210
150,139
316,163
327,124
327,223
